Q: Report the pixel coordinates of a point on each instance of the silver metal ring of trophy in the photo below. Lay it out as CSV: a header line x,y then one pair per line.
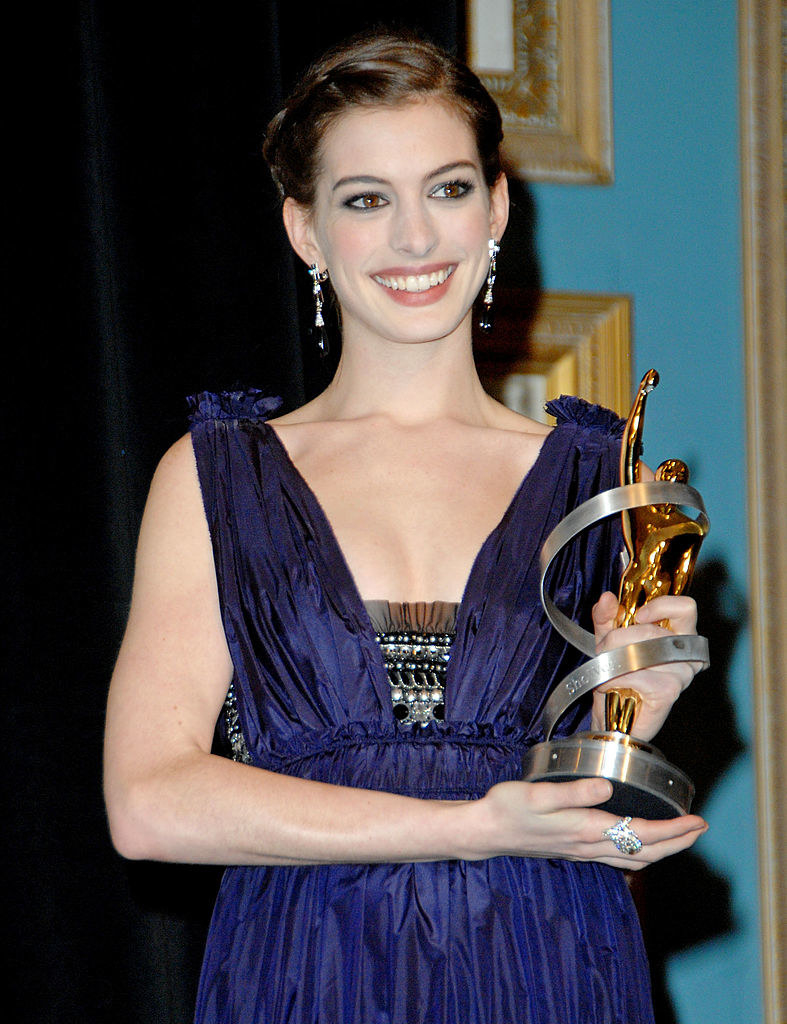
x,y
645,784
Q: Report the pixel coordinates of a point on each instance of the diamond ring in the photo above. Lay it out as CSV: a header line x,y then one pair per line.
x,y
624,838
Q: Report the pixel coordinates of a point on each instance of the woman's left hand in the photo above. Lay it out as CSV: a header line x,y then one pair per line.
x,y
660,686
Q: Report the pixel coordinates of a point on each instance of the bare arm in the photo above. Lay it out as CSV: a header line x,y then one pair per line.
x,y
169,798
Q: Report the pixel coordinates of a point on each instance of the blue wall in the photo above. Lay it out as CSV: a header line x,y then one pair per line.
x,y
668,234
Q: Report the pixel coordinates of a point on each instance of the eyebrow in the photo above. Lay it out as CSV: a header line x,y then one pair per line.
x,y
368,179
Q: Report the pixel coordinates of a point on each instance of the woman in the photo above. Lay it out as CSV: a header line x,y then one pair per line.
x,y
361,576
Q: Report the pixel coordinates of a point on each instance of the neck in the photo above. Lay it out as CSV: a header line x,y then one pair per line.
x,y
409,383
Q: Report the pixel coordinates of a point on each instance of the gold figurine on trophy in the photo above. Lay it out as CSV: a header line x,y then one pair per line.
x,y
661,540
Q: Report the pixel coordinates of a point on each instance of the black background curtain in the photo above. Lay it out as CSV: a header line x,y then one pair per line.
x,y
145,261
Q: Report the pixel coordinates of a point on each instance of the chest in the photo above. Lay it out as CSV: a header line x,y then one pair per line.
x,y
409,517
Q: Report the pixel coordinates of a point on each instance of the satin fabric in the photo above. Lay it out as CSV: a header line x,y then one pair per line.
x,y
489,942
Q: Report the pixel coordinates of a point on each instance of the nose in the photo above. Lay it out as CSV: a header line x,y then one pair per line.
x,y
413,230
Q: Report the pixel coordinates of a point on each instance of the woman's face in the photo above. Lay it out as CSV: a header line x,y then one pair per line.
x,y
402,220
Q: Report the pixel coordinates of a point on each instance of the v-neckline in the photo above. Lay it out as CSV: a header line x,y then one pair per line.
x,y
352,594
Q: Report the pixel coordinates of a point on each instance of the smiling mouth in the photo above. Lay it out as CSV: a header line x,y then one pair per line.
x,y
415,282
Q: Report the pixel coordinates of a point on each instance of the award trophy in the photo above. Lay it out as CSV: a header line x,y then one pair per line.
x,y
662,541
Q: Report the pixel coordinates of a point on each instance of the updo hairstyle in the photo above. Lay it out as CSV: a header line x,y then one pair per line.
x,y
366,71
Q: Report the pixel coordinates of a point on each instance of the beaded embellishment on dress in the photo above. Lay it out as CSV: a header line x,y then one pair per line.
x,y
415,639
237,742
416,665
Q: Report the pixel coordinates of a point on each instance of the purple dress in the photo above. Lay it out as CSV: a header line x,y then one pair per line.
x,y
501,941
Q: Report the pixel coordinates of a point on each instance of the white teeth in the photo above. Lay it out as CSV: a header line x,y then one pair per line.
x,y
415,282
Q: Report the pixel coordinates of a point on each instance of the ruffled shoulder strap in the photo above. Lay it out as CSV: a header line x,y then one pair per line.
x,y
570,409
247,404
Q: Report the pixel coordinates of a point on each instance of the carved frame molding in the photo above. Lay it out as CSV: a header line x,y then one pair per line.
x,y
763,59
579,343
556,103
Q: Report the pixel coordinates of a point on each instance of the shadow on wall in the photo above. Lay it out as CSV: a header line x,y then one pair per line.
x,y
519,265
682,902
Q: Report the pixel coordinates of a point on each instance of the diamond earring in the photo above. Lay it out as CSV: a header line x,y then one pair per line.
x,y
487,319
318,279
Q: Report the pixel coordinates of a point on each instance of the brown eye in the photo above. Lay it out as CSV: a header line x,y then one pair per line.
x,y
452,190
366,201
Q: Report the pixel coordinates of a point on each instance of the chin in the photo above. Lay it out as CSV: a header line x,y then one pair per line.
x,y
424,333
418,319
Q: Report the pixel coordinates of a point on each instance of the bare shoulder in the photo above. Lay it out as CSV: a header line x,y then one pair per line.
x,y
310,412
177,467
175,483
504,418
174,529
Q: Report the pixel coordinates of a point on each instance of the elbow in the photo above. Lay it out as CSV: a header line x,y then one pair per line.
x,y
128,840
133,826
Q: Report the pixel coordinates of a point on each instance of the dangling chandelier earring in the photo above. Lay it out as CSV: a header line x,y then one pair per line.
x,y
487,319
321,334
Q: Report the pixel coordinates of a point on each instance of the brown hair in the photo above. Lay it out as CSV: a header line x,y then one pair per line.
x,y
385,69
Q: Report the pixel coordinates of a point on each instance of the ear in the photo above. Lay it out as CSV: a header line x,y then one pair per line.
x,y
498,207
298,225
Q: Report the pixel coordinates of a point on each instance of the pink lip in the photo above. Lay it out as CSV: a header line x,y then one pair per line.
x,y
425,298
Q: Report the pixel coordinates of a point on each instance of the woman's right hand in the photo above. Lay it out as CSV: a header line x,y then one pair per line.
x,y
561,820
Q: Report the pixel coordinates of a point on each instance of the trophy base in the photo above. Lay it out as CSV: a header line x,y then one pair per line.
x,y
644,783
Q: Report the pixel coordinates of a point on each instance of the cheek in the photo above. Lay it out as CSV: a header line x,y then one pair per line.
x,y
345,243
469,233
472,239
480,226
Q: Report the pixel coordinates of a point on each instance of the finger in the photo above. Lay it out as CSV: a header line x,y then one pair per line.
x,y
615,638
604,612
661,684
667,682
652,830
659,839
548,797
587,841
651,854
612,638
681,611
648,854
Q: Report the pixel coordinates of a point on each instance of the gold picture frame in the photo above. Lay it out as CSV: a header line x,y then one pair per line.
x,y
763,58
547,64
574,343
